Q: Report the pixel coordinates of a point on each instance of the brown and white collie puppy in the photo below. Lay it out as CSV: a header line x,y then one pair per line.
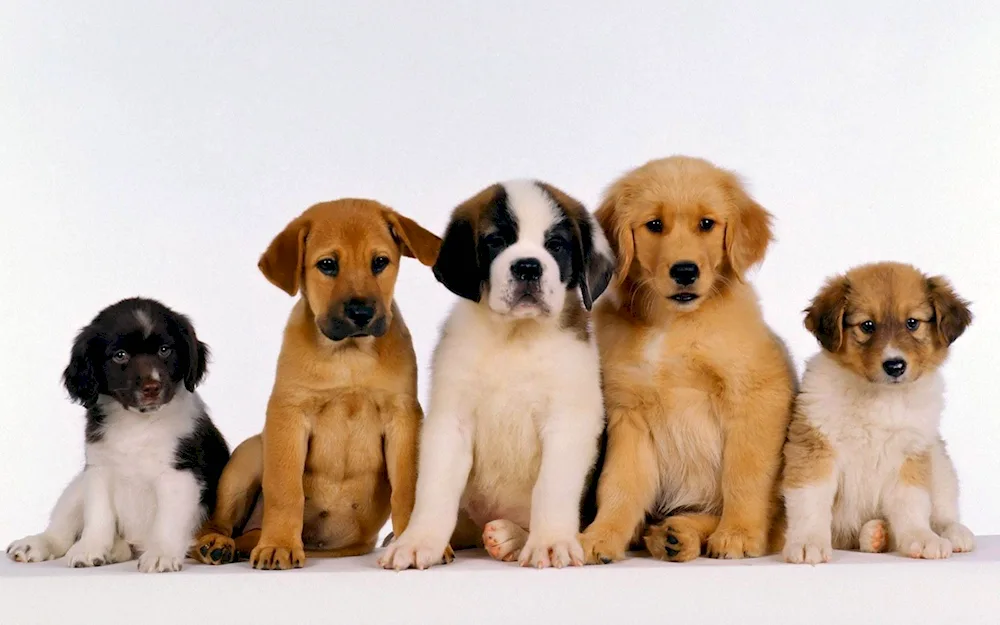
x,y
865,464
697,388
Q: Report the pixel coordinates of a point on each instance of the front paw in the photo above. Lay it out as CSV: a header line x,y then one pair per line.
x,y
415,552
961,538
85,555
926,545
35,548
601,548
151,562
736,542
555,551
808,551
269,557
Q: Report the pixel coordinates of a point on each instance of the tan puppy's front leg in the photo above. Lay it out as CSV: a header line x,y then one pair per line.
x,y
754,432
236,492
627,488
401,438
286,439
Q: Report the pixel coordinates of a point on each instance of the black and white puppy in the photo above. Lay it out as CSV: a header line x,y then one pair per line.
x,y
516,408
153,456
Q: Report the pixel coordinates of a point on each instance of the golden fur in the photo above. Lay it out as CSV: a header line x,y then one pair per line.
x,y
698,394
338,450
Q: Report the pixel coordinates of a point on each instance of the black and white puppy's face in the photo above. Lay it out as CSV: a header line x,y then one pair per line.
x,y
524,245
137,352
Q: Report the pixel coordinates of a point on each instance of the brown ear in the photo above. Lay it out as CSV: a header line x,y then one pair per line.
x,y
951,312
748,233
414,241
614,222
281,263
825,315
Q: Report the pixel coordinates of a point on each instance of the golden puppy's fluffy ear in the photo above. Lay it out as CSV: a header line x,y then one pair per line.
x,y
748,232
951,312
612,217
281,263
414,241
825,315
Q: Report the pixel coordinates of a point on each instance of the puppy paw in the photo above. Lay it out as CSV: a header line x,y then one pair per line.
x,y
415,552
926,545
214,549
152,562
83,555
961,538
542,552
600,548
277,558
874,537
673,540
808,551
504,540
37,548
736,542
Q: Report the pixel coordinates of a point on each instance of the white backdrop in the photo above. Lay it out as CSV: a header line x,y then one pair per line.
x,y
155,148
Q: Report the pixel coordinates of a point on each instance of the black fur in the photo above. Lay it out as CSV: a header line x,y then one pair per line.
x,y
205,453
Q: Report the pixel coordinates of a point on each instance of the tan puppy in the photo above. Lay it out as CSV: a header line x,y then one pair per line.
x,y
698,390
865,466
338,451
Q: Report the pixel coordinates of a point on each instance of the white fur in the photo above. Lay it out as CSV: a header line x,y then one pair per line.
x,y
872,429
128,496
145,321
514,417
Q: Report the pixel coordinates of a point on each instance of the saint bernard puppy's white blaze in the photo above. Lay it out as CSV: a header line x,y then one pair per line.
x,y
516,415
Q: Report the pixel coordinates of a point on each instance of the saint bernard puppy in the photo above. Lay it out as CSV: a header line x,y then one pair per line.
x,y
516,411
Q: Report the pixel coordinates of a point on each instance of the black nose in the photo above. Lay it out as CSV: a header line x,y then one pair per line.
x,y
527,269
359,312
894,368
684,273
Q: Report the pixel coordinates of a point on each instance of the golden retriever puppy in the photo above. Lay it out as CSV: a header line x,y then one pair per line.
x,y
865,466
697,388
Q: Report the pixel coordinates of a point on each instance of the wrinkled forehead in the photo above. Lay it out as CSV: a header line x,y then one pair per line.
x,y
349,236
888,293
682,194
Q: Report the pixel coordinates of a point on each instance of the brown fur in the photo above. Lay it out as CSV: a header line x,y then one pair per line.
x,y
808,454
916,470
887,294
698,396
337,455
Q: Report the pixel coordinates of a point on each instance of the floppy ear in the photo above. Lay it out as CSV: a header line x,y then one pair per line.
x,y
457,264
594,258
748,233
951,312
618,233
414,241
196,353
79,377
281,263
825,315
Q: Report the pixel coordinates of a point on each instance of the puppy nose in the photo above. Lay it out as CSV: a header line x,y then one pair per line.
x,y
526,269
150,388
360,312
895,367
684,273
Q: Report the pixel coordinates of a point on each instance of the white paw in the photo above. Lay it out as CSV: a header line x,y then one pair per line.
x,y
150,562
551,551
504,540
929,546
35,548
414,552
810,551
961,538
873,537
82,555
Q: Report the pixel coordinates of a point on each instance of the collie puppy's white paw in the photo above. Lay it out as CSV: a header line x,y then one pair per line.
x,y
809,551
557,552
961,538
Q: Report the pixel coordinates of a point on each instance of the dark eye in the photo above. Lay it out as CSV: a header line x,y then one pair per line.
x,y
379,263
120,356
868,327
556,245
655,226
912,324
164,351
328,266
494,240
706,224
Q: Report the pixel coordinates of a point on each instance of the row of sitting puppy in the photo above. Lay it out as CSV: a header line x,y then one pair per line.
x,y
669,421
